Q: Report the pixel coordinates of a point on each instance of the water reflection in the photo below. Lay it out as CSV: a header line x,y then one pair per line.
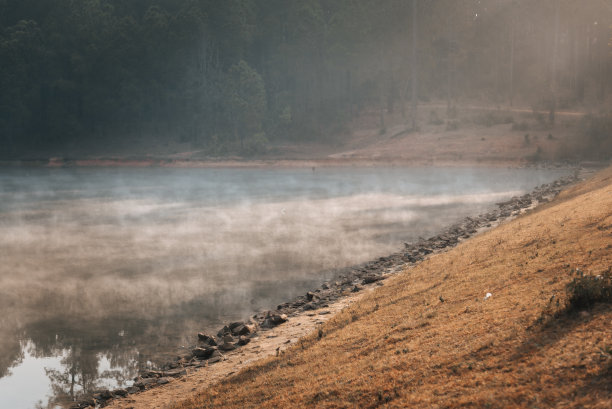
x,y
106,271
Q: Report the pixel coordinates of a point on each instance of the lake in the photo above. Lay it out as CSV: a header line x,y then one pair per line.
x,y
104,271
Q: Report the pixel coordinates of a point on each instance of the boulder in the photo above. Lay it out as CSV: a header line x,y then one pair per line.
x,y
174,373
150,374
143,382
243,340
235,325
85,403
203,353
273,319
243,329
227,346
372,279
106,394
215,359
206,339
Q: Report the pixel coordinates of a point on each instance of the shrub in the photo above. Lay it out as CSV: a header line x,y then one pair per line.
x,y
586,290
258,143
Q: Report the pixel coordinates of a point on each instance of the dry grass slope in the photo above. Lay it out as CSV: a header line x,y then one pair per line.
x,y
428,338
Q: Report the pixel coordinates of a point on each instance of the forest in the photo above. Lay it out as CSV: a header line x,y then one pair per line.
x,y
228,76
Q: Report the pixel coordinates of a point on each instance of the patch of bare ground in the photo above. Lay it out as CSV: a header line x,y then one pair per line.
x,y
433,337
474,135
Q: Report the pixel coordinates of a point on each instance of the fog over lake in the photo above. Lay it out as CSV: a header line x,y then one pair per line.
x,y
104,271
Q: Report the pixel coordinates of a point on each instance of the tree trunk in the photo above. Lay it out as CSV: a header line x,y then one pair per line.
x,y
553,80
414,66
511,91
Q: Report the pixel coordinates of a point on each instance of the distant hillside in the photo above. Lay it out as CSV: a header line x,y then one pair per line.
x,y
229,77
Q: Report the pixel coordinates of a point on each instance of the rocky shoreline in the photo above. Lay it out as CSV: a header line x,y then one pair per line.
x,y
212,348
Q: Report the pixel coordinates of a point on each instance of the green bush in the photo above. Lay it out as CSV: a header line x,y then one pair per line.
x,y
586,290
256,144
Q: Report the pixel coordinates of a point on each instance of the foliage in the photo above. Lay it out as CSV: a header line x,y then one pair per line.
x,y
586,290
99,71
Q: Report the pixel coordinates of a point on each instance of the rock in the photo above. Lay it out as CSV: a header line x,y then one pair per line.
x,y
84,403
227,346
244,329
309,307
325,286
103,395
356,289
133,389
143,382
372,279
163,381
175,373
203,353
223,331
273,319
120,392
206,339
150,374
243,340
186,357
215,360
310,295
233,325
228,338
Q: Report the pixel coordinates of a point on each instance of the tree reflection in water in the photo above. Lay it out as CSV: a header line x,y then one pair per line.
x,y
91,357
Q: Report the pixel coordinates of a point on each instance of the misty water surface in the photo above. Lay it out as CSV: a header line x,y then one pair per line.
x,y
104,271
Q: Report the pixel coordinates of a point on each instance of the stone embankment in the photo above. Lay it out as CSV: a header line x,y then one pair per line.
x,y
211,349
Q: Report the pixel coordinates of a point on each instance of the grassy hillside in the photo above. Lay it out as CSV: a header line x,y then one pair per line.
x,y
431,338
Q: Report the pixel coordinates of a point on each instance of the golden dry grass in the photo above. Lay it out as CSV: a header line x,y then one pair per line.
x,y
402,346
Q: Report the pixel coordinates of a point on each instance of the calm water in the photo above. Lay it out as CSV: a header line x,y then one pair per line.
x,y
104,271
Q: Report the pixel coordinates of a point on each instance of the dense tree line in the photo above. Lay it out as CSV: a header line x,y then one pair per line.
x,y
231,74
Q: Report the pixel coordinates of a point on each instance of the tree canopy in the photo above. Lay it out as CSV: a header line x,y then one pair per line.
x,y
218,73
